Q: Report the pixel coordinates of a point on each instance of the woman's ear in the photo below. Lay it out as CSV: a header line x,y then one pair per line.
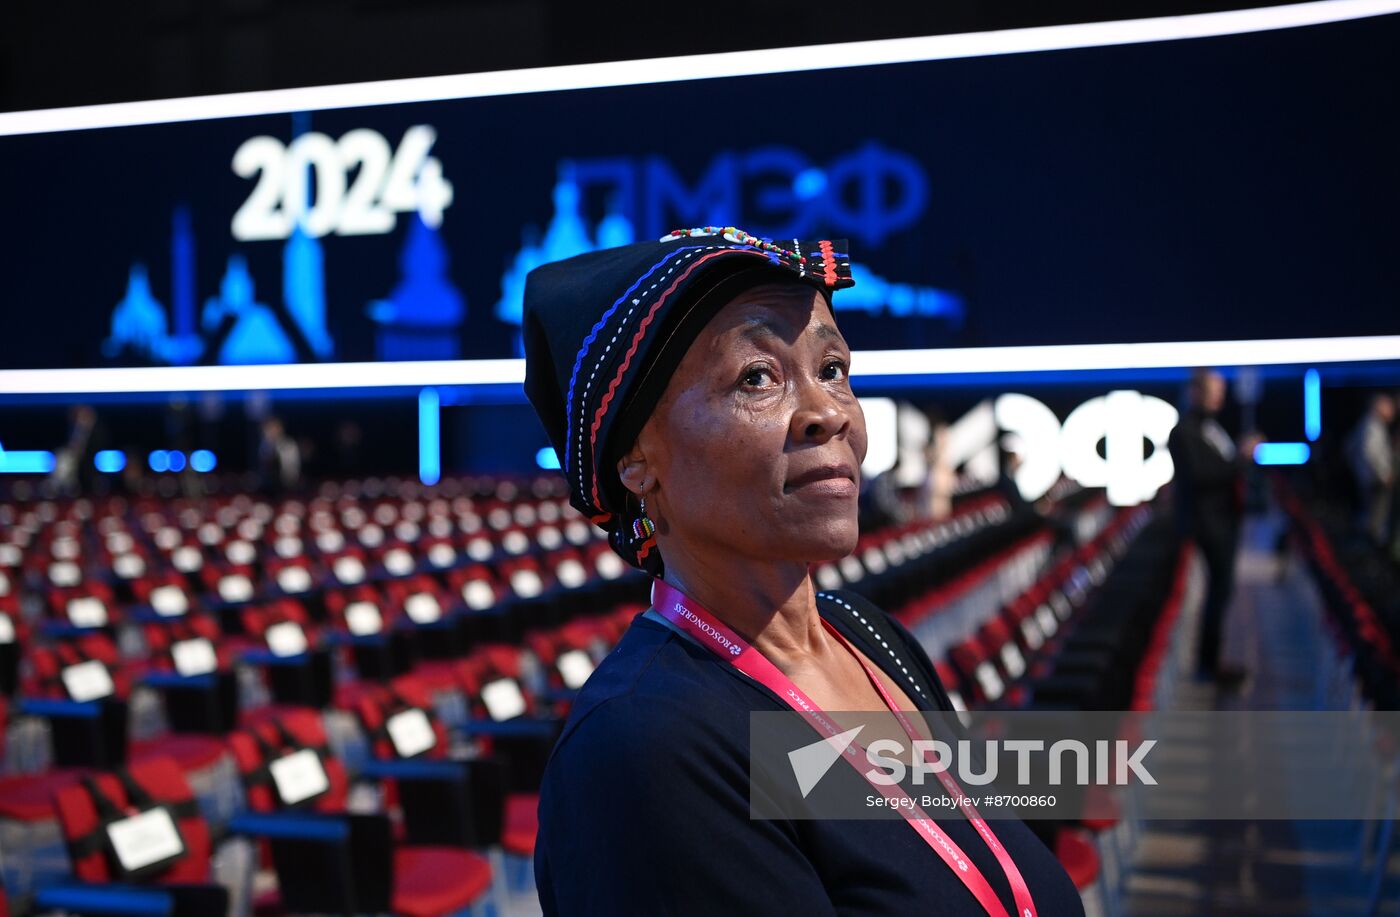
x,y
634,470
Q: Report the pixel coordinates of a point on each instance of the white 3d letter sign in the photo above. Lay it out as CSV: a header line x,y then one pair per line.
x,y
1122,420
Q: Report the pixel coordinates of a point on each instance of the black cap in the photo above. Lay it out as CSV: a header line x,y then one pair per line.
x,y
595,325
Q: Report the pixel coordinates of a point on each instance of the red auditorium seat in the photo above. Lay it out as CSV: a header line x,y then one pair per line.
x,y
427,880
191,751
477,586
83,817
87,606
289,731
165,593
1077,855
28,798
984,681
377,704
521,821
522,824
1001,645
48,664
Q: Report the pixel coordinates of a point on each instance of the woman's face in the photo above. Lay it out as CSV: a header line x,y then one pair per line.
x,y
755,446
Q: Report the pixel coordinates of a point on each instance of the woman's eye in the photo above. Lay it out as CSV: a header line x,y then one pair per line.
x,y
757,376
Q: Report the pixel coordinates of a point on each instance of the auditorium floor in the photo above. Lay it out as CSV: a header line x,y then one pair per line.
x,y
1264,867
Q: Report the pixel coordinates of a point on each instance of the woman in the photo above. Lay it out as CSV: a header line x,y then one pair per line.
x,y
696,391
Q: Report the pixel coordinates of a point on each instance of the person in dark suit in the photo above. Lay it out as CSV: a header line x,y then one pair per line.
x,y
1209,495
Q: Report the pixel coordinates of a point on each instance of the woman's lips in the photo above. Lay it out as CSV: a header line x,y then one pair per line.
x,y
830,480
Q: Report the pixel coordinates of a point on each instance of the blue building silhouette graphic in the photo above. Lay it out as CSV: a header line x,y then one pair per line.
x,y
566,236
304,289
256,336
243,330
422,318
139,325
184,346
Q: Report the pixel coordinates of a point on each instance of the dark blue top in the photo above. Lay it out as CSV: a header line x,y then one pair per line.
x,y
644,809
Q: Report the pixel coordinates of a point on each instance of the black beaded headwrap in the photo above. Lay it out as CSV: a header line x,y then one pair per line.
x,y
604,331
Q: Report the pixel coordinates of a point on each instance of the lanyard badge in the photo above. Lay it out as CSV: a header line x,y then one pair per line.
x,y
730,647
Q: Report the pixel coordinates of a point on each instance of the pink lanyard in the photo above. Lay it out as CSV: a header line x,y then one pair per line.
x,y
728,645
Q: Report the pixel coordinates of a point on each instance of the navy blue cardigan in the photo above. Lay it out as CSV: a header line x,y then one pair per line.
x,y
644,810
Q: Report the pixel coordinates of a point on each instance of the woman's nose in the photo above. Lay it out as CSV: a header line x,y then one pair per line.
x,y
819,415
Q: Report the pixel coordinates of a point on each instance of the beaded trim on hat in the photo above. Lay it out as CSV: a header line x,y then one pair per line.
x,y
739,237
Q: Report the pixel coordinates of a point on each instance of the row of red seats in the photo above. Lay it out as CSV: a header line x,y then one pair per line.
x,y
994,664
567,652
1358,586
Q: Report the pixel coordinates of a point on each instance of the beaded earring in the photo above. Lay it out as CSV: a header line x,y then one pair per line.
x,y
642,527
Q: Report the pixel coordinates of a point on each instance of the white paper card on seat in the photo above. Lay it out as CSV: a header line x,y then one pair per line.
x,y
574,667
7,629
169,601
503,698
411,732
422,608
235,588
87,681
363,619
65,573
478,595
240,552
293,579
571,573
349,569
194,657
526,583
398,562
146,838
299,776
990,681
87,612
1012,660
187,559
286,639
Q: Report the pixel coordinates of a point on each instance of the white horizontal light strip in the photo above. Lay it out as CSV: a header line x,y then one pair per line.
x,y
866,364
693,67
280,376
1069,357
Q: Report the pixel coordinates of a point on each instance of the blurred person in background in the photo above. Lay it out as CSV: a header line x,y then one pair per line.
x,y
1008,462
279,458
1208,490
942,477
886,502
74,470
1371,455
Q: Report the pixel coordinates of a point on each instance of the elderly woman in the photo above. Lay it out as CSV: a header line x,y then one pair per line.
x,y
696,390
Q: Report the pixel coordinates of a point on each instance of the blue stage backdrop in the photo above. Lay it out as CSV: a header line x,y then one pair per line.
x,y
1232,187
